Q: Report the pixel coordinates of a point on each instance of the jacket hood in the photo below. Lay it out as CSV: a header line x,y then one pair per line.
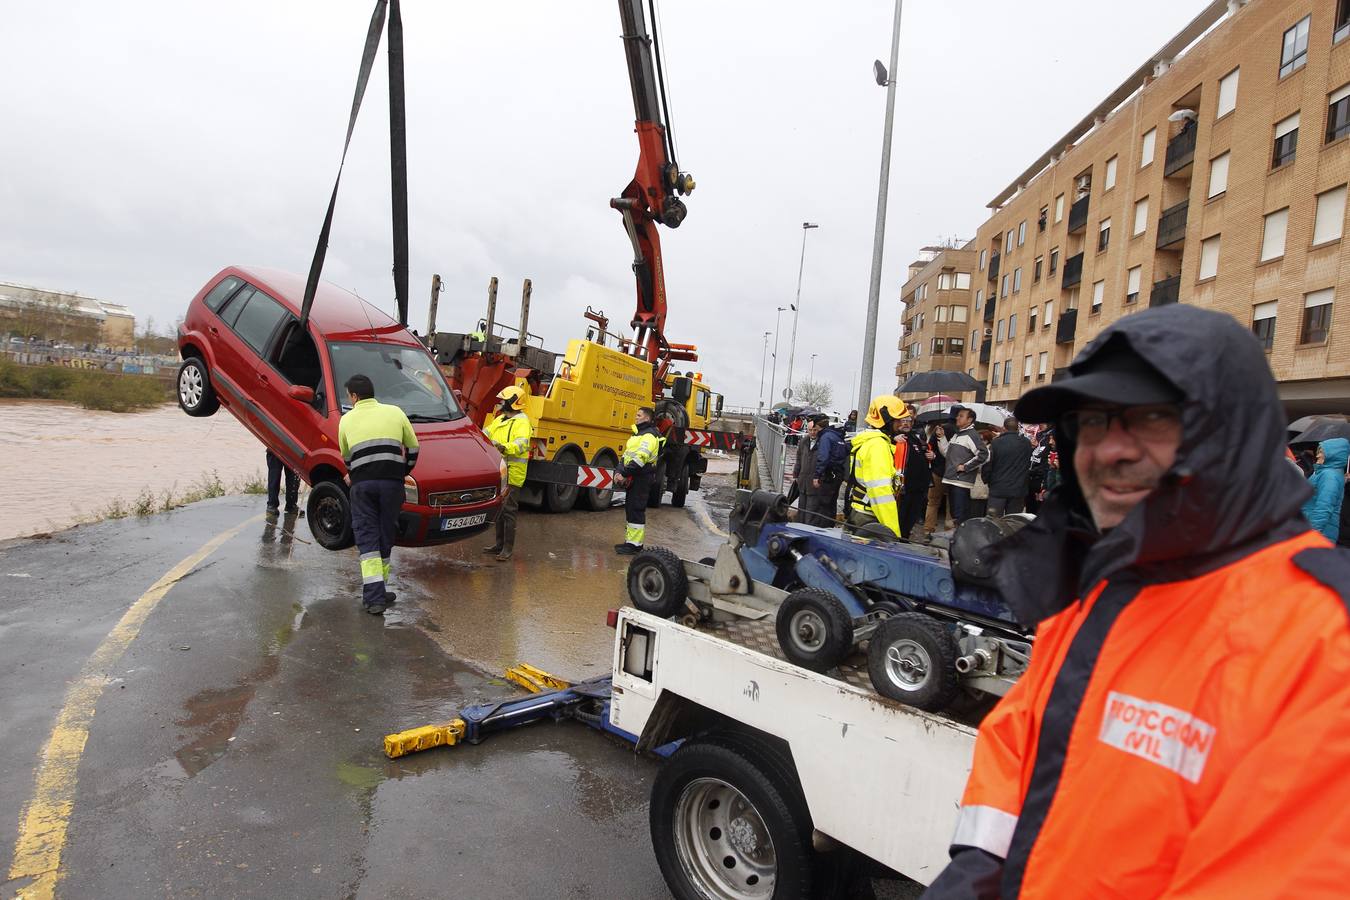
x,y
1228,492
867,434
1337,452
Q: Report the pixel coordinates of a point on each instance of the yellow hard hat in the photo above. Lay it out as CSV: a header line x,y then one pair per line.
x,y
886,409
515,394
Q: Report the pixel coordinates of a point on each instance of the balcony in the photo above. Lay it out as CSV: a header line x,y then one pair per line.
x,y
989,309
993,267
984,350
1078,215
1073,271
1068,324
1165,291
1172,225
1181,152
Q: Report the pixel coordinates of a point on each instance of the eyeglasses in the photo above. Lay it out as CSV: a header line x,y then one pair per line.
x,y
1090,426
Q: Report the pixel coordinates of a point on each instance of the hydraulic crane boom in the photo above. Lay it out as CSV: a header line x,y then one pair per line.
x,y
654,193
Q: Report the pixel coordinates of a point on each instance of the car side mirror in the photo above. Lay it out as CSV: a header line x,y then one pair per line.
x,y
301,392
719,404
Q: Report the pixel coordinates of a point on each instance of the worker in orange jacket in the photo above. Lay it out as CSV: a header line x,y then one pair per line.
x,y
1183,729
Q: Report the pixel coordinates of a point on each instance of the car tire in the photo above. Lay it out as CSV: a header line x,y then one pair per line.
x,y
815,630
329,511
595,499
911,658
196,397
657,582
560,498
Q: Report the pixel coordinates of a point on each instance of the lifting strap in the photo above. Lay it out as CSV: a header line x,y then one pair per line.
x,y
398,159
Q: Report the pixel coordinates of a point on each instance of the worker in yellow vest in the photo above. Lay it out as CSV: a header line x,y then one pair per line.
x,y
636,470
510,432
872,478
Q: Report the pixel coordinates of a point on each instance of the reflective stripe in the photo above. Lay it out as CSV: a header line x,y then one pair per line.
x,y
985,827
881,501
376,457
372,568
385,566
518,459
377,442
875,482
634,534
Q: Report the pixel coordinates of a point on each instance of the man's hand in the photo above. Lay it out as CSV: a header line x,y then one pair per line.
x,y
930,454
961,468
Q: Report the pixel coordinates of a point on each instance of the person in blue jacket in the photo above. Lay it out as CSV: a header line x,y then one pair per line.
x,y
1328,484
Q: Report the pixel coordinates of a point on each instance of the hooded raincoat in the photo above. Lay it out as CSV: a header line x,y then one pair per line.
x,y
1183,729
1328,484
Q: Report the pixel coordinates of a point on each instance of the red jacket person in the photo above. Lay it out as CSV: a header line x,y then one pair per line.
x,y
1183,729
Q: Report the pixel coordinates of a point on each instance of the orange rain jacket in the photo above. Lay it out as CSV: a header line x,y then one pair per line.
x,y
1183,729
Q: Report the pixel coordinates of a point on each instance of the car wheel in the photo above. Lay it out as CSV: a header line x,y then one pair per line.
x,y
329,511
196,397
912,658
595,499
560,498
657,582
814,629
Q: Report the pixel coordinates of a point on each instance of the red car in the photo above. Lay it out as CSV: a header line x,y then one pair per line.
x,y
243,349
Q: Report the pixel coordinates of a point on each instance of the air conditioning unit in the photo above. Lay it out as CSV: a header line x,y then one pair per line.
x,y
1083,184
989,332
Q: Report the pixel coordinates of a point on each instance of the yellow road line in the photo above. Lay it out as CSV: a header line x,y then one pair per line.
x,y
42,836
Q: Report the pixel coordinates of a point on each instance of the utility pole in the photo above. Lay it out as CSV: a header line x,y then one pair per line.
x,y
773,377
763,359
886,79
796,307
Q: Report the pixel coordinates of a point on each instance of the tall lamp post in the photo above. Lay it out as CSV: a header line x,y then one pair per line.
x,y
763,360
773,377
812,375
887,80
796,307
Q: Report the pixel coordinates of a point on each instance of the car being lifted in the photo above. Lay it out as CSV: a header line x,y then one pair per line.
x,y
243,348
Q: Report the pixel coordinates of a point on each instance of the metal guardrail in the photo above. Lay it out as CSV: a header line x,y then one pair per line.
x,y
772,449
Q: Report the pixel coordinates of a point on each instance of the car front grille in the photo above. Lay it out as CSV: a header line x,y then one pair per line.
x,y
462,498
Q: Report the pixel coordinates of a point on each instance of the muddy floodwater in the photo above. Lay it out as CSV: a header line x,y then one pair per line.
x,y
62,464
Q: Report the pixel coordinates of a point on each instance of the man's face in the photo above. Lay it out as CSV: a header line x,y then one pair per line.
x,y
352,399
965,418
642,418
1122,454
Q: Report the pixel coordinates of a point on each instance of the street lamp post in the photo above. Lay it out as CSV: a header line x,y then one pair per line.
x,y
773,377
812,375
886,79
763,359
796,307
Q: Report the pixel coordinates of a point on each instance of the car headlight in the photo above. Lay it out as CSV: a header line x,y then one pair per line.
x,y
506,478
410,490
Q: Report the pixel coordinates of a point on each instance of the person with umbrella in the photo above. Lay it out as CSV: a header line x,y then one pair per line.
x,y
1328,484
966,455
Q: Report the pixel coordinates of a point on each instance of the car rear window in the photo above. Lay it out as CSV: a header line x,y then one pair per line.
x,y
231,310
258,320
221,292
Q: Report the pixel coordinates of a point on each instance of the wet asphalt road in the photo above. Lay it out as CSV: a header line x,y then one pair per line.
x,y
236,749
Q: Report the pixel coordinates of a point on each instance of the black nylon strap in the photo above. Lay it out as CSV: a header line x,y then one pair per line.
x,y
398,161
363,77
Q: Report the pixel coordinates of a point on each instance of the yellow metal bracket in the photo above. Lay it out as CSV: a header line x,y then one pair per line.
x,y
535,680
424,738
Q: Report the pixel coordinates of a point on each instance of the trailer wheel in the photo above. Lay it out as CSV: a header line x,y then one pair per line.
x,y
657,582
595,499
815,631
560,498
912,658
329,511
727,821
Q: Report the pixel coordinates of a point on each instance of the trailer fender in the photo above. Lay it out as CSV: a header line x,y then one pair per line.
x,y
814,573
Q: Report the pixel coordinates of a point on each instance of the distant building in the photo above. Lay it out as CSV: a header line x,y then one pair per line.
x,y
65,317
938,312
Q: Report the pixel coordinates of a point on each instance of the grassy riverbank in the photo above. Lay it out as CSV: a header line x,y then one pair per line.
x,y
88,388
207,487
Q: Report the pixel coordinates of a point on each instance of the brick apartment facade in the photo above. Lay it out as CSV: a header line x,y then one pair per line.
x,y
1217,176
938,311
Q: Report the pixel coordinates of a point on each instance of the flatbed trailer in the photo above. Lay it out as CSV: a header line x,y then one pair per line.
x,y
786,779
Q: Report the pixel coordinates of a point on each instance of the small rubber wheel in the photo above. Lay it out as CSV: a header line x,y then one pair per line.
x,y
815,631
329,511
912,658
657,582
196,397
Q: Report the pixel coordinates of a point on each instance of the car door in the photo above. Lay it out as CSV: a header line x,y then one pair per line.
x,y
252,319
293,360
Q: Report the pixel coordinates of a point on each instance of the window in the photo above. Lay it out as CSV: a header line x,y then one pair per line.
x,y
1140,216
1012,326
1110,180
984,257
1104,234
1228,86
1043,218
997,367
1317,315
1342,21
1338,114
975,337
1263,323
1073,299
1098,293
1059,207
230,311
1209,257
944,282
1132,285
1026,368
963,281
221,292
1041,362
1218,175
1272,240
1054,260
1036,269
1003,290
920,321
1017,279
956,346
1146,148
1021,233
999,334
297,360
1049,313
960,314
939,346
1286,141
1007,372
258,320
1008,244
1330,216
1294,52
979,299
941,314
1031,319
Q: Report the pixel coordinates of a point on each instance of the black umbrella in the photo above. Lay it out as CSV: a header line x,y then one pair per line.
x,y
1324,429
938,383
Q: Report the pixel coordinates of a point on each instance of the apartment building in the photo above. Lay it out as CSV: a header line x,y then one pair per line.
x,y
937,311
1215,175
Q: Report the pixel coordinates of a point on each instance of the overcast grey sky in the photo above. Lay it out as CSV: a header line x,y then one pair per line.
x,y
149,144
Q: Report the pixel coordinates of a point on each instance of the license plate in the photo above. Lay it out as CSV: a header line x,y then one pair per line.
x,y
463,522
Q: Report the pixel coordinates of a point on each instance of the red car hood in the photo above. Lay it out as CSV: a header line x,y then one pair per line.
x,y
454,456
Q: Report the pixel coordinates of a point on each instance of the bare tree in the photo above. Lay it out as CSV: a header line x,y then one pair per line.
x,y
813,393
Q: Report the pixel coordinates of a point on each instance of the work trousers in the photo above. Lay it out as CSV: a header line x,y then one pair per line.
x,y
959,498
935,495
375,507
275,467
635,507
506,520
820,507
913,503
1005,506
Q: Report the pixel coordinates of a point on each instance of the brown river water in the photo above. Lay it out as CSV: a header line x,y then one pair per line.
x,y
62,465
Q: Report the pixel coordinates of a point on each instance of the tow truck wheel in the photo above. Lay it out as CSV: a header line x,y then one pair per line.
x,y
597,500
912,658
815,631
658,486
560,498
657,582
196,397
329,511
728,820
681,490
